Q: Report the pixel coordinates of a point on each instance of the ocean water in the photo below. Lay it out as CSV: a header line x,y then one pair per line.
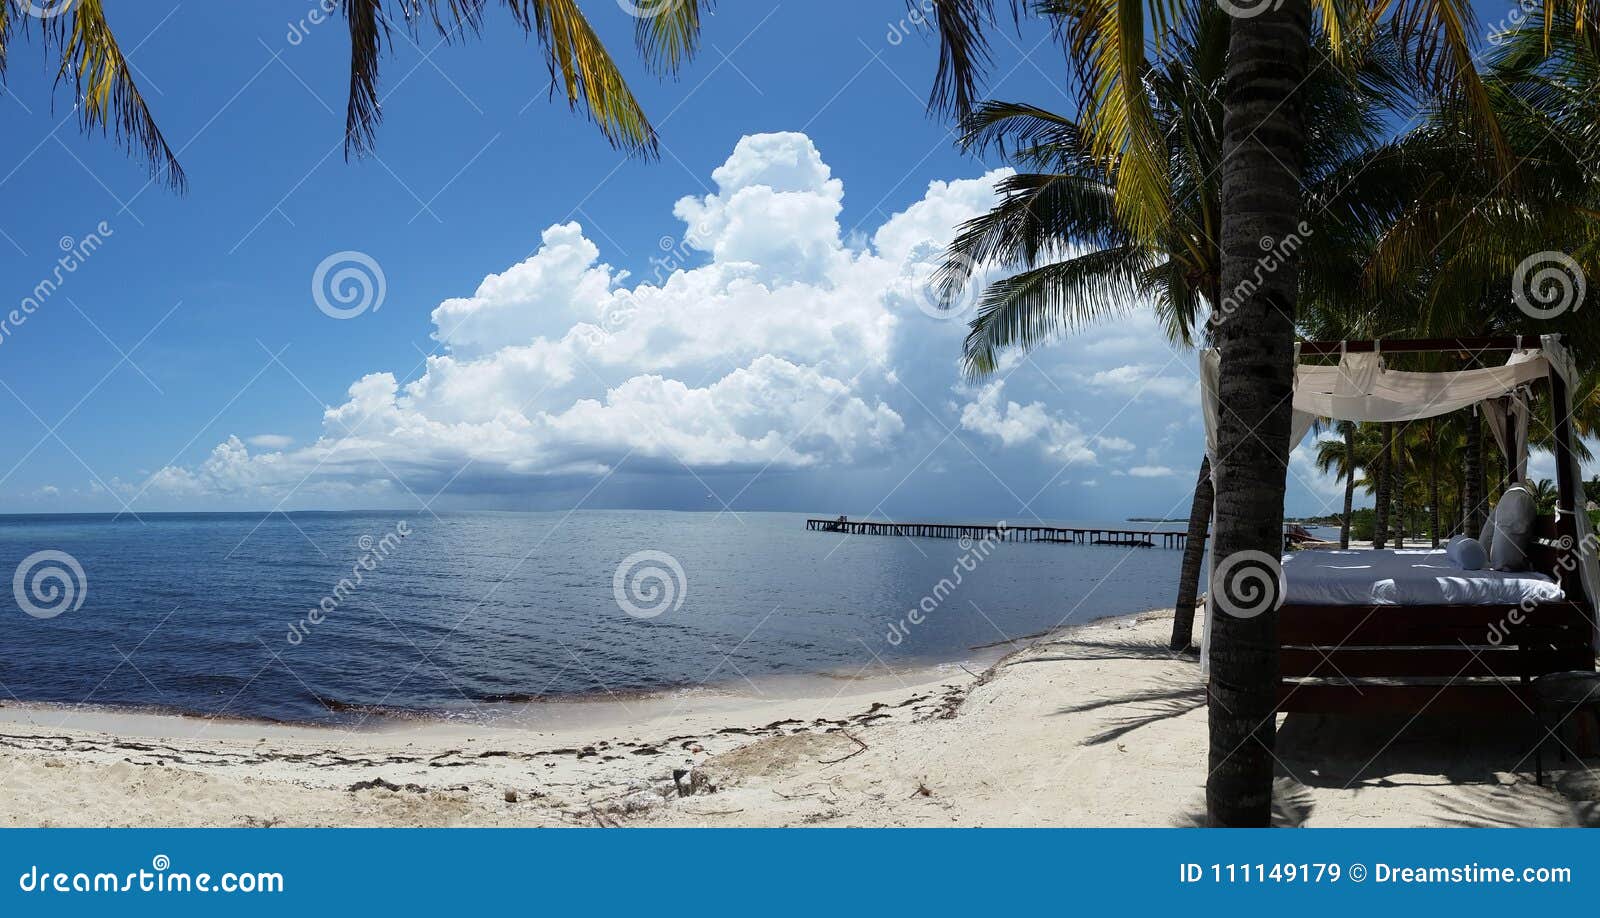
x,y
329,617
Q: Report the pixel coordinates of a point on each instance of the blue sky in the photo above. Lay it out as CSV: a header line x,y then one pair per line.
x,y
739,323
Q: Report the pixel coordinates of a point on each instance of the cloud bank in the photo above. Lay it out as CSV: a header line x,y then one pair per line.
x,y
762,339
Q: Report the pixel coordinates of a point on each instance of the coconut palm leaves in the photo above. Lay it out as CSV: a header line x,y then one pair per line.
x,y
1058,224
105,93
962,27
579,66
1106,41
1448,233
668,31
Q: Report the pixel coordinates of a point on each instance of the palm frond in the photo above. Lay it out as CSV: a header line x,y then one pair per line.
x,y
963,50
107,96
1027,308
363,111
1106,40
1036,216
668,31
5,36
1440,33
578,64
1025,133
586,72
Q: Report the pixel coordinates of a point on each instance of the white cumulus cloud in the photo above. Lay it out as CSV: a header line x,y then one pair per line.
x,y
757,338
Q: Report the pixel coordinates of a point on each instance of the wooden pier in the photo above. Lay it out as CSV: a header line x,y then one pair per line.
x,y
1126,538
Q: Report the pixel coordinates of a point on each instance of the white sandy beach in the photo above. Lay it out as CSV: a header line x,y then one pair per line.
x,y
1092,726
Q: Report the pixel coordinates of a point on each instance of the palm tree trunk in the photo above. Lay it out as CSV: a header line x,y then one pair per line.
x,y
1349,482
1472,493
1262,145
1194,551
1433,483
1397,489
1380,498
1494,481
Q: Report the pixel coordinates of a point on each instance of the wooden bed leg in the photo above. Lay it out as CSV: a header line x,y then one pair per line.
x,y
1584,733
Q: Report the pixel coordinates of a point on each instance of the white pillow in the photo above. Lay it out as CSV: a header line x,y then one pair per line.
x,y
1467,553
1486,537
1513,530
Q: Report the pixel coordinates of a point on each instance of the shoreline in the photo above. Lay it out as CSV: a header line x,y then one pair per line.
x,y
605,709
552,715
612,708
1091,724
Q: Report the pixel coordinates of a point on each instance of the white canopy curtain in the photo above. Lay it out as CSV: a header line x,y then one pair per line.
x,y
1361,388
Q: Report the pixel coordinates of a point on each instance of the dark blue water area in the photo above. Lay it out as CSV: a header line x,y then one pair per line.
x,y
213,613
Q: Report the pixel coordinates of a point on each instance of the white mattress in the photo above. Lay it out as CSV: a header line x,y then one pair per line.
x,y
1405,577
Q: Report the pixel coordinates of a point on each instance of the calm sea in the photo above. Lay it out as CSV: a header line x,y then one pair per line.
x,y
325,617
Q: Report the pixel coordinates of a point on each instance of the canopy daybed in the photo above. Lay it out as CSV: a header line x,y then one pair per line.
x,y
1405,630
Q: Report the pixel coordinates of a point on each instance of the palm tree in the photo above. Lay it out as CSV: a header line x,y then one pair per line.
x,y
109,98
1075,259
1264,141
1433,447
1063,199
1383,488
1355,451
1263,148
1445,230
1544,495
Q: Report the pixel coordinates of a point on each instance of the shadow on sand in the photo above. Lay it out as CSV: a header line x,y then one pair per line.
x,y
1482,766
1170,696
1478,770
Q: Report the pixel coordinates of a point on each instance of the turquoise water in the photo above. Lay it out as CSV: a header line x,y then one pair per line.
x,y
244,615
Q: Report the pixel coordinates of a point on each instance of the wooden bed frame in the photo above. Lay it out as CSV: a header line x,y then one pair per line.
x,y
1437,659
1445,658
